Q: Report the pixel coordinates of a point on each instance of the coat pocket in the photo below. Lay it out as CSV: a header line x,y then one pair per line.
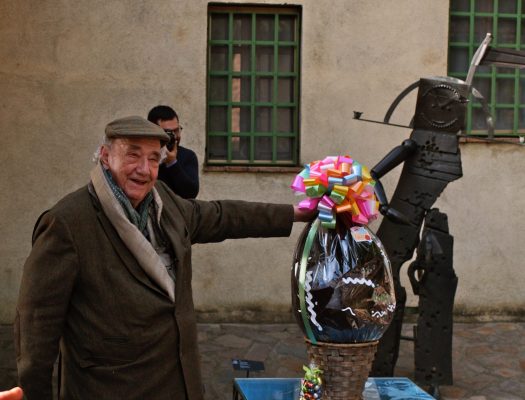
x,y
111,351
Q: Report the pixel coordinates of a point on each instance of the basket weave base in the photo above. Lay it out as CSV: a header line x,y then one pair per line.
x,y
345,367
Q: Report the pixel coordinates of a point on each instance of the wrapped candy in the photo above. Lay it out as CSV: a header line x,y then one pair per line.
x,y
311,386
342,286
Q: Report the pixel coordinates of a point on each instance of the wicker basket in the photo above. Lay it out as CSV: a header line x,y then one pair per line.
x,y
345,367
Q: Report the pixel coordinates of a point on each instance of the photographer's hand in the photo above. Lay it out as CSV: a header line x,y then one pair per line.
x,y
172,155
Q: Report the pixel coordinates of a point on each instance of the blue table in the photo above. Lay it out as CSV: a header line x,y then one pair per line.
x,y
290,388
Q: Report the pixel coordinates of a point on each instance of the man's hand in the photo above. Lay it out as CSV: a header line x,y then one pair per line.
x,y
303,215
13,394
171,156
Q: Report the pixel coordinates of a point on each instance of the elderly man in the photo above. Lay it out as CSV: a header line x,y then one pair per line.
x,y
108,280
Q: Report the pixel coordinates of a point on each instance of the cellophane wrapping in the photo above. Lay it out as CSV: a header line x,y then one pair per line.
x,y
342,287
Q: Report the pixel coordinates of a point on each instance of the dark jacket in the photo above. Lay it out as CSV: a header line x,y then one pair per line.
x,y
183,176
119,334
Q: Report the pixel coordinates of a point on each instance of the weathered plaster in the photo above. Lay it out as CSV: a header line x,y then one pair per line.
x,y
68,68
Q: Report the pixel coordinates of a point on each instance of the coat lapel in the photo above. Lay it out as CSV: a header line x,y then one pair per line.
x,y
125,255
173,224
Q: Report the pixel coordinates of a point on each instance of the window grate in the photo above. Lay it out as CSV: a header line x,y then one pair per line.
x,y
503,88
253,85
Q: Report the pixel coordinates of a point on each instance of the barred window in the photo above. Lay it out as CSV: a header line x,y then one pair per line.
x,y
503,88
253,85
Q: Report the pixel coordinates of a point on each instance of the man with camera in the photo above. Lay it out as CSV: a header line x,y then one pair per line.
x,y
180,169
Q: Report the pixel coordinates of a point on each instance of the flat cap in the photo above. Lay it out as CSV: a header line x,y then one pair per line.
x,y
135,127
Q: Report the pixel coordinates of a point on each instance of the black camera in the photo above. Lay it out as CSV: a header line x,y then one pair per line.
x,y
171,144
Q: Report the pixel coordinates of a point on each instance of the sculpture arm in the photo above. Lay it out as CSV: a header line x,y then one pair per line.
x,y
395,157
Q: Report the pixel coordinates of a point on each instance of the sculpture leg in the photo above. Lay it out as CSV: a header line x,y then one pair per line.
x,y
434,280
388,347
401,240
414,196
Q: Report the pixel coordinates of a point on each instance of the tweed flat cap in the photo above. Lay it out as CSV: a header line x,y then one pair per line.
x,y
135,127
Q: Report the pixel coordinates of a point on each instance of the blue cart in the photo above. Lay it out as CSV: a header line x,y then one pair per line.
x,y
290,389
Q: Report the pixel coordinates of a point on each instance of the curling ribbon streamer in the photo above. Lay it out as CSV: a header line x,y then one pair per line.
x,y
338,185
302,277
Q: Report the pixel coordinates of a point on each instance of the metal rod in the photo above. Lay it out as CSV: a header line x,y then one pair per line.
x,y
357,116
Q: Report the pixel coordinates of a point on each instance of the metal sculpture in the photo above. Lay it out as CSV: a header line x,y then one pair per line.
x,y
432,159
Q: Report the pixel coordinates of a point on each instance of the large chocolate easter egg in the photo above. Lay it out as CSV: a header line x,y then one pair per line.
x,y
342,287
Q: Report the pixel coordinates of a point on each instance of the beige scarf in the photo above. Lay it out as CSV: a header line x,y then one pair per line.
x,y
135,241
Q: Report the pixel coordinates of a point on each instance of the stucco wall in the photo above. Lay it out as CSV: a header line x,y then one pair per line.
x,y
69,67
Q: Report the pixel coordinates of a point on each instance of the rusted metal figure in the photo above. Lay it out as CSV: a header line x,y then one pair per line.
x,y
432,159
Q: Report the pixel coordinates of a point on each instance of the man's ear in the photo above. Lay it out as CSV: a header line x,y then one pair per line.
x,y
104,155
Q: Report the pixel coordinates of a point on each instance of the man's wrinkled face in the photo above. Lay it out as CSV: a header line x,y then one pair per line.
x,y
134,165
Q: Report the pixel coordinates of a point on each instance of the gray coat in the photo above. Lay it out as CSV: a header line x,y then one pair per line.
x,y
119,334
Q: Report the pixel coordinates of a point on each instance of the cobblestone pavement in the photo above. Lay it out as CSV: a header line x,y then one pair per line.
x,y
488,358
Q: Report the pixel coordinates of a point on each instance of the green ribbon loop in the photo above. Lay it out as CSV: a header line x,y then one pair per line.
x,y
302,277
315,191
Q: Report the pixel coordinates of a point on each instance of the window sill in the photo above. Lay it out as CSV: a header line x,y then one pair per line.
x,y
250,168
495,140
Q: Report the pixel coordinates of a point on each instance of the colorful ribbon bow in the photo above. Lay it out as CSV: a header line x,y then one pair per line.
x,y
338,185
